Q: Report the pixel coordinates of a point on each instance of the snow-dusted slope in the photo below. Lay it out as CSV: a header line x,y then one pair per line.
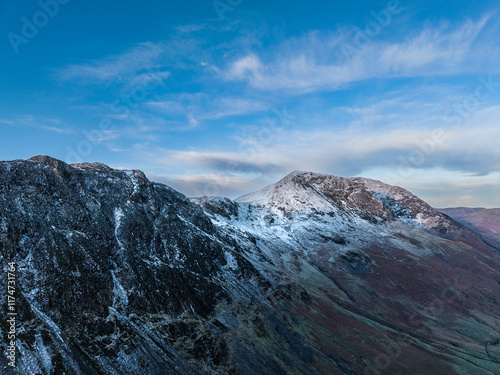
x,y
371,200
406,206
310,212
291,194
384,249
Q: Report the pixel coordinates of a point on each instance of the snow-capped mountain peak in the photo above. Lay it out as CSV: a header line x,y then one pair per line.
x,y
304,192
293,193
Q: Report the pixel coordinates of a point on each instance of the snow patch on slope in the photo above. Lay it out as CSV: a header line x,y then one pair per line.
x,y
118,219
120,297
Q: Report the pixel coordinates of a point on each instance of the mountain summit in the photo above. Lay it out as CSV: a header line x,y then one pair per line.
x,y
302,191
350,199
315,274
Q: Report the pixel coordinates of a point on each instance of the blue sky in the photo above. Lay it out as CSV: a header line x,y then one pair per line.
x,y
224,97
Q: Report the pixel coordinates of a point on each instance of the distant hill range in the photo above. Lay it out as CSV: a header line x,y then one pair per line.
x,y
485,221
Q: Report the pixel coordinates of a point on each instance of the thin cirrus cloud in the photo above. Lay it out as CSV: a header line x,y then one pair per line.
x,y
115,68
310,63
142,62
180,50
201,106
30,121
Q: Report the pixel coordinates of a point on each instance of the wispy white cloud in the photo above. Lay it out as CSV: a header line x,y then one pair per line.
x,y
316,63
103,135
351,152
56,129
116,68
200,107
140,64
38,123
207,107
233,106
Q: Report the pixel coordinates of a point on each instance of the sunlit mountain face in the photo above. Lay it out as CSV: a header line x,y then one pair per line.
x,y
314,274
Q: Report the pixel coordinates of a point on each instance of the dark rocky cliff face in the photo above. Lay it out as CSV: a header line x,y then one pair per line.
x,y
95,245
119,275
